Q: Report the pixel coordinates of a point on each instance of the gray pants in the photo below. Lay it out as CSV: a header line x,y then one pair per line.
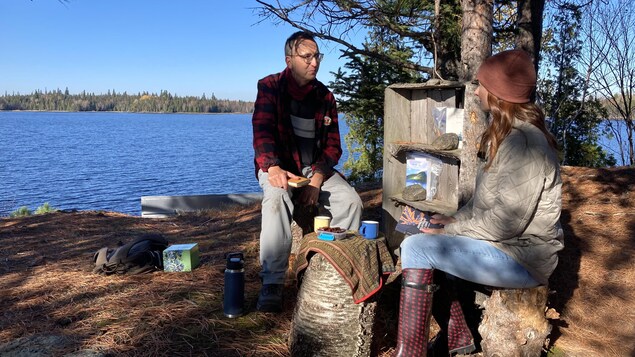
x,y
337,197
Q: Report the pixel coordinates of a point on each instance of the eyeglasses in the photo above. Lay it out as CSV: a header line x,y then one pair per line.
x,y
309,58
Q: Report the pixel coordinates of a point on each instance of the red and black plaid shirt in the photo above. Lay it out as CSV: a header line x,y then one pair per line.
x,y
274,140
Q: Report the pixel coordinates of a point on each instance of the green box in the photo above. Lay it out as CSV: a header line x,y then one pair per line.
x,y
181,257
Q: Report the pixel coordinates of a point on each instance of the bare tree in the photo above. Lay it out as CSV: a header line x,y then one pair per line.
x,y
412,21
610,54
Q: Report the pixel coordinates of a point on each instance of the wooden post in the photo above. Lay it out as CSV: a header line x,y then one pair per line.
x,y
326,321
514,323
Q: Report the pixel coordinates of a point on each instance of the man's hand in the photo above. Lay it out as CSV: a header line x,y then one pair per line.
x,y
310,193
279,177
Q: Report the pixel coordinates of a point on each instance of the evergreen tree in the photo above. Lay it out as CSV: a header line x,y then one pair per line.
x,y
361,96
165,102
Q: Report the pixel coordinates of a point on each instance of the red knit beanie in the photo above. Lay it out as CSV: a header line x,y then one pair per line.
x,y
509,75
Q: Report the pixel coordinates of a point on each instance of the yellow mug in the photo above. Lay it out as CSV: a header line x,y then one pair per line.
x,y
321,222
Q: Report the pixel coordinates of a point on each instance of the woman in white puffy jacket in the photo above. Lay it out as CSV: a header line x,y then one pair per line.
x,y
508,234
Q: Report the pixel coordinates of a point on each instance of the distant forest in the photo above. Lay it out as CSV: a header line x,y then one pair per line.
x,y
121,102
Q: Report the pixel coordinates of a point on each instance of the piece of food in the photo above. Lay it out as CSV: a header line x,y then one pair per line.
x,y
298,182
332,233
332,230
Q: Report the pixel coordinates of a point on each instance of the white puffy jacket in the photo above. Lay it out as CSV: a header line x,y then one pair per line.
x,y
517,202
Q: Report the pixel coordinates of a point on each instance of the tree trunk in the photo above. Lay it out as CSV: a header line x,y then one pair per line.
x,y
529,25
476,45
514,323
326,321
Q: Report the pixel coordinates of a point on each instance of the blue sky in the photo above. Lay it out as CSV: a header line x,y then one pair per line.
x,y
187,47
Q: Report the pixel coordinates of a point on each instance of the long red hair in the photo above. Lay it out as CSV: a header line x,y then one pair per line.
x,y
503,114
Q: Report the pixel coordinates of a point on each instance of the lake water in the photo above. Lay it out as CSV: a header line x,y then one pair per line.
x,y
107,161
611,145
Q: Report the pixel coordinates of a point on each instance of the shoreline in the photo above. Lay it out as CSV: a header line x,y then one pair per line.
x,y
116,111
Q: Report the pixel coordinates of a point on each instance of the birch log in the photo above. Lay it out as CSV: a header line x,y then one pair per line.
x,y
326,321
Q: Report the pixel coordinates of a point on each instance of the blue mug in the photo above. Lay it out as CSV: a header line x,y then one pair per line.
x,y
369,229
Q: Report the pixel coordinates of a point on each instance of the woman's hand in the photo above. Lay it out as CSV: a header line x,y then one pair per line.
x,y
433,230
439,219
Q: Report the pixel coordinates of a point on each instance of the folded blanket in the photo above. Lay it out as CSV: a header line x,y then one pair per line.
x,y
362,263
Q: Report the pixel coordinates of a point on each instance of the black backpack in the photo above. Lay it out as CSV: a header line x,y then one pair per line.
x,y
143,255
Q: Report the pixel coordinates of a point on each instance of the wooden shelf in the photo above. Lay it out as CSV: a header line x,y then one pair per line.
x,y
409,111
395,148
431,84
430,206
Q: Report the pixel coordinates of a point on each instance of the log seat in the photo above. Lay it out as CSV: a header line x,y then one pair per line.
x,y
337,299
514,322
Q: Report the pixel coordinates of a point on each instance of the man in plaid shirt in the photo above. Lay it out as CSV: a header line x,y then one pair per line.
x,y
296,133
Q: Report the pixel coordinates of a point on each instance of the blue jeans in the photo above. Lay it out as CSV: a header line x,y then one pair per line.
x,y
467,258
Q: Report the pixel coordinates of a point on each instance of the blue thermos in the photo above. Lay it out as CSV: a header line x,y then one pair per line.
x,y
234,295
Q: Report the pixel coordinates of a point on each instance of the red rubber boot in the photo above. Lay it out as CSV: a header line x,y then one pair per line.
x,y
455,336
414,312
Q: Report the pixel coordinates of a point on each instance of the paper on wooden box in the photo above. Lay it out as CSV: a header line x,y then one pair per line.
x,y
181,257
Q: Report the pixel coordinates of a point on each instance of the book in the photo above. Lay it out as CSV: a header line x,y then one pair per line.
x,y
298,182
413,221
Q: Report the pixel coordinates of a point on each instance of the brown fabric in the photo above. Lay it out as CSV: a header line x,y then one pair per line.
x,y
362,263
509,75
304,215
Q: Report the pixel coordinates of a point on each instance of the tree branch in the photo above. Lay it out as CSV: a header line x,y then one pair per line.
x,y
338,21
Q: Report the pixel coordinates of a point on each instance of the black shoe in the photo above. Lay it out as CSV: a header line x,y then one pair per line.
x,y
270,298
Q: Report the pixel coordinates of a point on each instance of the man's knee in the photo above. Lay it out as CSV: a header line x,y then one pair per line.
x,y
357,202
275,197
357,206
354,201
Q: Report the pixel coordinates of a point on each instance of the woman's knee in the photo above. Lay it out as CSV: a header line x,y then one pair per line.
x,y
409,247
420,241
407,243
424,250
